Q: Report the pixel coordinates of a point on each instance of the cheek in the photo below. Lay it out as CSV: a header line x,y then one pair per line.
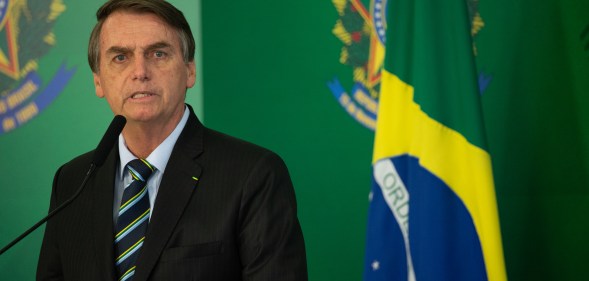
x,y
112,91
113,85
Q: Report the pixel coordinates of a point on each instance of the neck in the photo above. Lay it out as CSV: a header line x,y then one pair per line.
x,y
142,138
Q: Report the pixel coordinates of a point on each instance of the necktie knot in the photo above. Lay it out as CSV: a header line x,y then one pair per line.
x,y
140,169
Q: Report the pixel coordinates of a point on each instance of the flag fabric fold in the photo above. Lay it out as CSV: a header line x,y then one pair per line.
x,y
433,213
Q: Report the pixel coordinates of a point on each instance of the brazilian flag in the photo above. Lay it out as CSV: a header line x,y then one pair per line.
x,y
433,213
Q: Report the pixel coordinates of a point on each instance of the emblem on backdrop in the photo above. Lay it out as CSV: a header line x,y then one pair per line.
x,y
362,32
26,36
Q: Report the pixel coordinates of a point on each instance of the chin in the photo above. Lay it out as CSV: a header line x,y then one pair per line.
x,y
141,117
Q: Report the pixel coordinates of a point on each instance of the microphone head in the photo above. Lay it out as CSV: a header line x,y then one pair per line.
x,y
108,140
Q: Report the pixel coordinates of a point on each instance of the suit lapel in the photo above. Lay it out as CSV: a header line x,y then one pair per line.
x,y
179,180
102,206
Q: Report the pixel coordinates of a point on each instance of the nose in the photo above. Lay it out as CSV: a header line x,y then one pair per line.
x,y
141,70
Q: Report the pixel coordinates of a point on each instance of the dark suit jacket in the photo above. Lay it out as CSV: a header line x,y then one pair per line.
x,y
236,221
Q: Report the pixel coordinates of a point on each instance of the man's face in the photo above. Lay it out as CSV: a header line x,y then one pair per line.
x,y
142,73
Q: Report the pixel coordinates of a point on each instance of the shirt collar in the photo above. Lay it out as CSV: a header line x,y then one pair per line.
x,y
160,156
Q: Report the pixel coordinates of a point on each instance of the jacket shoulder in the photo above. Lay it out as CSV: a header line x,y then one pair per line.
x,y
79,164
230,146
71,174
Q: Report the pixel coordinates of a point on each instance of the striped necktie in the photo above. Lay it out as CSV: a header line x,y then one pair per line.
x,y
133,219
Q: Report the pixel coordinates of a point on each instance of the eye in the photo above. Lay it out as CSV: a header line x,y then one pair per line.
x,y
159,54
120,58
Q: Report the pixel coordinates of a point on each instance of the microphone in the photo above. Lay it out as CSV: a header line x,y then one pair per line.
x,y
108,140
106,143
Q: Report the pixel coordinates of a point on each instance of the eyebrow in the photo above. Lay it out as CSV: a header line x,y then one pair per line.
x,y
158,45
120,49
117,50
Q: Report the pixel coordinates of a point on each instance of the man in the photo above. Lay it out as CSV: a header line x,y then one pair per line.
x,y
204,206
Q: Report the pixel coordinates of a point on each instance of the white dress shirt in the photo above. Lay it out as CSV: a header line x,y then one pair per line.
x,y
158,159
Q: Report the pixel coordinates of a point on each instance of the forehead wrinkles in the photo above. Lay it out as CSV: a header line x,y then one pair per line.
x,y
131,30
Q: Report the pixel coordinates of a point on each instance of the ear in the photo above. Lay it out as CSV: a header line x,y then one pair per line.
x,y
191,74
97,85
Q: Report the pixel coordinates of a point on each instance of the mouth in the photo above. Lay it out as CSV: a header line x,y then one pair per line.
x,y
140,95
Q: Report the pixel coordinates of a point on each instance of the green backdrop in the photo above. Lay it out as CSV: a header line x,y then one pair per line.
x,y
264,68
537,114
267,64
